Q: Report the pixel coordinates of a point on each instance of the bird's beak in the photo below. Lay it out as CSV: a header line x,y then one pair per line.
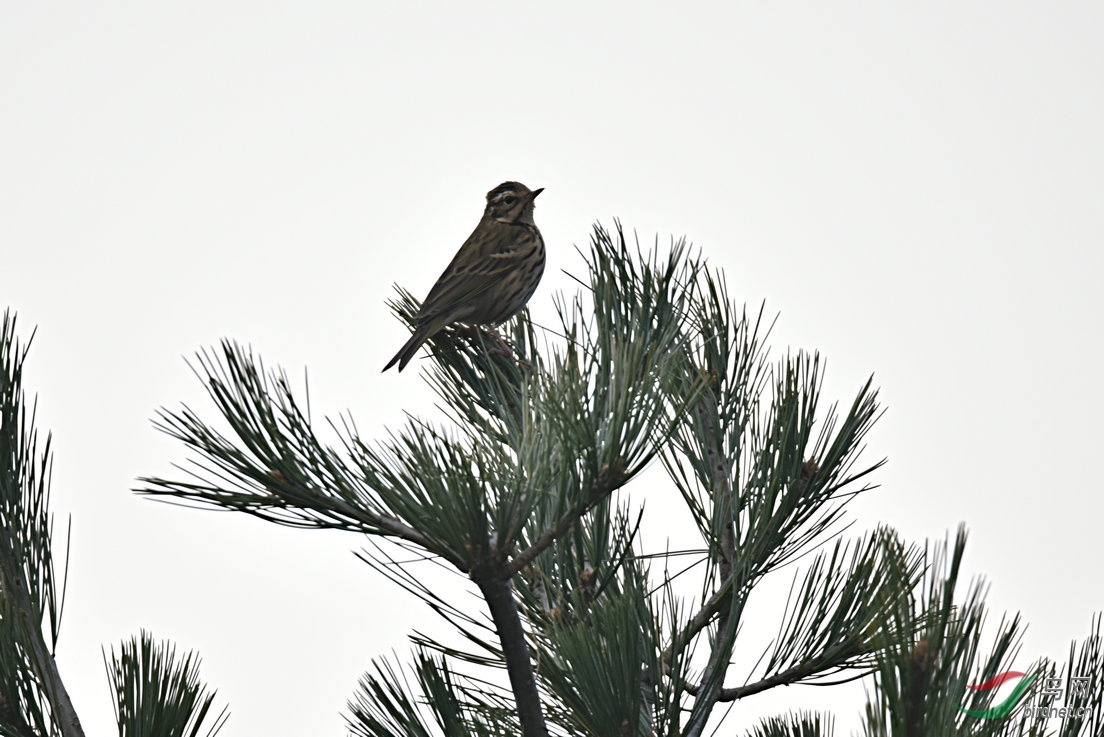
x,y
534,193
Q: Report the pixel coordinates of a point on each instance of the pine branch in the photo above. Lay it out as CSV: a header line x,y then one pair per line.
x,y
494,584
826,661
697,623
370,522
609,480
17,602
157,693
28,594
729,606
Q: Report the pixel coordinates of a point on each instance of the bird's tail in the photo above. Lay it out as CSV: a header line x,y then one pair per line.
x,y
410,348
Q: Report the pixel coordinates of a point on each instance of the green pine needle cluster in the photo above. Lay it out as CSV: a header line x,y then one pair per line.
x,y
157,693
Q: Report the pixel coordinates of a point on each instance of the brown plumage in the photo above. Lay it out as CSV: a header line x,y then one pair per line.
x,y
491,277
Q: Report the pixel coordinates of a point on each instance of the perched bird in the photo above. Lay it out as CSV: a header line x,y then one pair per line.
x,y
491,277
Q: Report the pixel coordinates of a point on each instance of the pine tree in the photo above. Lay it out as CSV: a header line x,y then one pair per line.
x,y
518,488
523,488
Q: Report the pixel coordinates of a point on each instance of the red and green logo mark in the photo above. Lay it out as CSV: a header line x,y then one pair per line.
x,y
1005,707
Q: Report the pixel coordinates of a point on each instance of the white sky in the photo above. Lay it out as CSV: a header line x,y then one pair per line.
x,y
918,192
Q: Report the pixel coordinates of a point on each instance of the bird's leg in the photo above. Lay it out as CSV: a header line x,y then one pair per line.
x,y
505,350
502,349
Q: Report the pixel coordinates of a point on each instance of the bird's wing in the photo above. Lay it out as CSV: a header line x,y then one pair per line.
x,y
491,251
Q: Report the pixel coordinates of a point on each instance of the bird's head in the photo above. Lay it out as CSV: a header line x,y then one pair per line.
x,y
511,202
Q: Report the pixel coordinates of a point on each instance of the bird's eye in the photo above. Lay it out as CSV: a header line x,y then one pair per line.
x,y
509,200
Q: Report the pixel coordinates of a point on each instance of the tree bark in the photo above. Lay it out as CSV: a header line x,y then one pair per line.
x,y
496,588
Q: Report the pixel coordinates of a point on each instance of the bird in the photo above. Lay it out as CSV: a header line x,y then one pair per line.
x,y
491,277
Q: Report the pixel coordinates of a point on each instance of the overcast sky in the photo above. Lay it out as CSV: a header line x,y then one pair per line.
x,y
916,191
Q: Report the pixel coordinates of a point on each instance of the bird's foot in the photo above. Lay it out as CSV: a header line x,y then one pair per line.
x,y
502,349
